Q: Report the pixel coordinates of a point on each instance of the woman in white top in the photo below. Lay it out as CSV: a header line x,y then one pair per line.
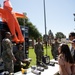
x,y
65,60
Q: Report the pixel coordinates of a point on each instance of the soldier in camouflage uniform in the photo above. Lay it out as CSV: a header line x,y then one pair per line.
x,y
7,54
19,55
54,48
39,51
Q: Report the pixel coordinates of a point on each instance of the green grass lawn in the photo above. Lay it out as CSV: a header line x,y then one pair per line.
x,y
32,54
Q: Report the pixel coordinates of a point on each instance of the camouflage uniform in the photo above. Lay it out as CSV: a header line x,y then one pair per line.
x,y
19,55
54,49
39,51
7,55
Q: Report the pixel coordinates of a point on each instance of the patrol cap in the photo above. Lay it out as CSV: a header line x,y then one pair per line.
x,y
7,33
20,45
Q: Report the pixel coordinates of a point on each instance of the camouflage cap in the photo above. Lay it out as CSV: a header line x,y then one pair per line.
x,y
20,45
7,33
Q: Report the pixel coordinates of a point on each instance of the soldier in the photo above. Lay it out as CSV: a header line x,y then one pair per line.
x,y
19,55
54,48
7,54
39,51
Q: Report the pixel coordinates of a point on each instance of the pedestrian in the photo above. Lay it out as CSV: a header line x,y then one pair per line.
x,y
7,53
65,60
73,46
54,48
71,37
39,51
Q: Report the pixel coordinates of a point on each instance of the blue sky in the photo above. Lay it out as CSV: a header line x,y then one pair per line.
x,y
59,14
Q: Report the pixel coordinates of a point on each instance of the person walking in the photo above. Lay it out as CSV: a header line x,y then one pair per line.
x,y
7,54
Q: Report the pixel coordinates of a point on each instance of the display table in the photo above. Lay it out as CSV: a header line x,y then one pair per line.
x,y
50,71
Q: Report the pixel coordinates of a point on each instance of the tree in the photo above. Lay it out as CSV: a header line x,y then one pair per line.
x,y
60,35
20,20
33,31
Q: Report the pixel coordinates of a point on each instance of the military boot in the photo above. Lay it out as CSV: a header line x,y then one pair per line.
x,y
35,71
37,68
40,68
43,65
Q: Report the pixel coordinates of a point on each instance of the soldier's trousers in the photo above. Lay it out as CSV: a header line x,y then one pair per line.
x,y
38,59
9,66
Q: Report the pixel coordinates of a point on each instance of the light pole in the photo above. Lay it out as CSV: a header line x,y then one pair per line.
x,y
74,16
44,16
24,34
45,25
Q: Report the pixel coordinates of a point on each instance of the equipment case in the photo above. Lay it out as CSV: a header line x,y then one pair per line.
x,y
46,59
